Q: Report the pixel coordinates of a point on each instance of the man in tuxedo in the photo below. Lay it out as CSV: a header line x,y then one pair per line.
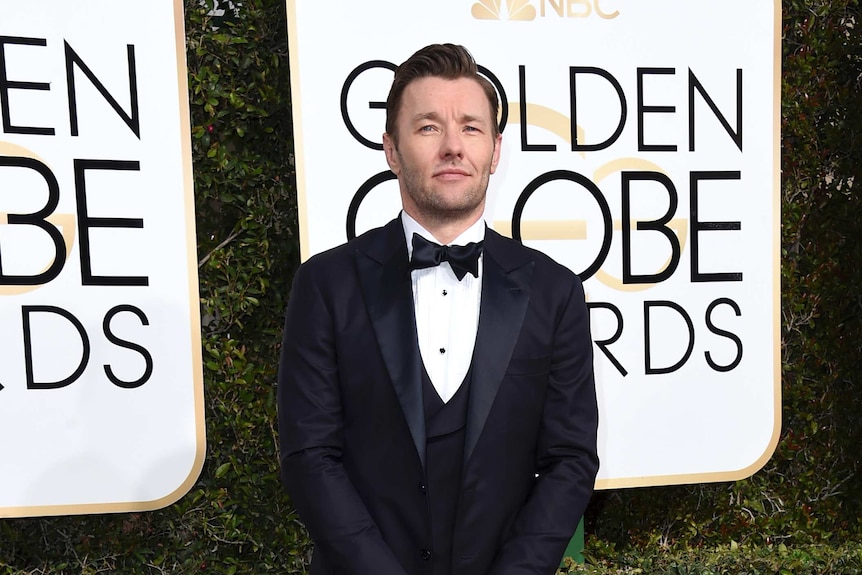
x,y
437,410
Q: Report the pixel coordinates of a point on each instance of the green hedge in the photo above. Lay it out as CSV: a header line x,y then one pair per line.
x,y
731,559
800,514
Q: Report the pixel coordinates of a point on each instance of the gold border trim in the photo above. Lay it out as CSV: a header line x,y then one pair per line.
x,y
298,140
194,315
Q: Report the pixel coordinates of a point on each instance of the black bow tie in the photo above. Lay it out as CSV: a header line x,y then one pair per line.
x,y
463,259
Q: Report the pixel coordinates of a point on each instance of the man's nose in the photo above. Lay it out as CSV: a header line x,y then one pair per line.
x,y
452,144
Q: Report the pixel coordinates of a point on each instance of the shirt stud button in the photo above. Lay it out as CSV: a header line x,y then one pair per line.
x,y
442,350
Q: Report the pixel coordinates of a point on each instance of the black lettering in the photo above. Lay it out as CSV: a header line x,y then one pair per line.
x,y
694,84
132,120
501,92
648,369
698,226
6,85
604,343
590,187
724,333
522,104
85,222
580,146
377,105
643,109
360,194
37,219
28,346
148,358
659,225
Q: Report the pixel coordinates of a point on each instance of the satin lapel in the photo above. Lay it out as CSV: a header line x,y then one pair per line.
x,y
388,295
505,295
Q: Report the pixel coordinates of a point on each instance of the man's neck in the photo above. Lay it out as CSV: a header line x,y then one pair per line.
x,y
446,231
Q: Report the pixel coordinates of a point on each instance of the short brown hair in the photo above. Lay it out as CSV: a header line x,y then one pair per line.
x,y
449,61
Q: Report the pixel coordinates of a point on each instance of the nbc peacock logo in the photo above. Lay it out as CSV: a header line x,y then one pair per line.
x,y
504,10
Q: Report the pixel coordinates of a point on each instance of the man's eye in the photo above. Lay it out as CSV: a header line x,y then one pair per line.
x,y
471,128
426,128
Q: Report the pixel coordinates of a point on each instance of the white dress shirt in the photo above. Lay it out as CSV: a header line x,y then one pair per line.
x,y
447,311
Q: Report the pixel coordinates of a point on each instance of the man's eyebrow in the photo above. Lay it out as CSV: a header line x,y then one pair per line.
x,y
435,117
470,119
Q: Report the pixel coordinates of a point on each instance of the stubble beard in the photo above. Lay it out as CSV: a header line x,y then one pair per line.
x,y
440,208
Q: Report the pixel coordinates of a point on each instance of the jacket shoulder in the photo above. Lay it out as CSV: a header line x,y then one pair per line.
x,y
377,240
514,252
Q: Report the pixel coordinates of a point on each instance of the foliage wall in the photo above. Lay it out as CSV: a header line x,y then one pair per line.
x,y
236,519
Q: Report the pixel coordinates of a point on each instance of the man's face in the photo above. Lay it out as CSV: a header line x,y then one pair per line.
x,y
446,150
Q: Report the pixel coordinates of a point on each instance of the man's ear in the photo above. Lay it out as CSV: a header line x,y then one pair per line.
x,y
391,154
495,158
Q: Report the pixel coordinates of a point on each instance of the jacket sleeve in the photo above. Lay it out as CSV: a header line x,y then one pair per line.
x,y
566,453
311,440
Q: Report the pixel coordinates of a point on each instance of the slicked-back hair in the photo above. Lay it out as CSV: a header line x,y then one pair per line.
x,y
447,61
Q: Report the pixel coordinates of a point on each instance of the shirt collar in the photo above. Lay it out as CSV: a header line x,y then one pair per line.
x,y
475,233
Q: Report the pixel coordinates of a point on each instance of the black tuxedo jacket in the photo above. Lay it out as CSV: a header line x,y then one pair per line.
x,y
352,428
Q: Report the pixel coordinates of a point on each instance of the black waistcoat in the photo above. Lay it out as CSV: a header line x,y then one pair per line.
x,y
445,427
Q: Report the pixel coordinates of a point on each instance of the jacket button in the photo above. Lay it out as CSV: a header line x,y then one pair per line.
x,y
425,554
423,489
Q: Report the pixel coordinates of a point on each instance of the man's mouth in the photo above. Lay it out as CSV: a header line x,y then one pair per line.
x,y
451,174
